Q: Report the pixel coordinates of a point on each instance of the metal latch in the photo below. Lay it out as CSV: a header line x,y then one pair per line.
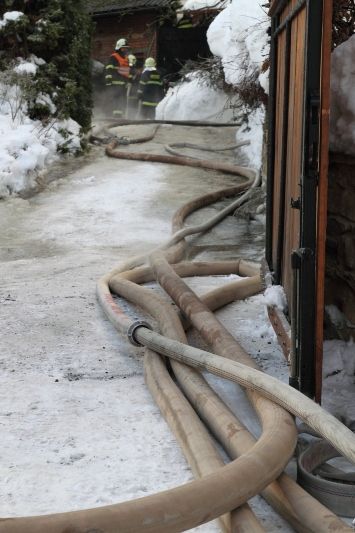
x,y
296,203
299,255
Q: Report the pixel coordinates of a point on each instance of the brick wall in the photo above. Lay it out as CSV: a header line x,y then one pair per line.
x,y
340,272
139,29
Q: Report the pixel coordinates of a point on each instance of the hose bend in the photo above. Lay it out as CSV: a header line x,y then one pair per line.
x,y
299,508
290,399
170,148
175,246
216,412
175,510
291,501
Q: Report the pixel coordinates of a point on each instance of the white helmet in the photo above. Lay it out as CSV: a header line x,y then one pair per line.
x,y
150,62
120,44
132,60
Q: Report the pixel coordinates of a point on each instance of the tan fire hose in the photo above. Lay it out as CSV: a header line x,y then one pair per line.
x,y
57,522
296,495
285,495
88,517
219,489
300,509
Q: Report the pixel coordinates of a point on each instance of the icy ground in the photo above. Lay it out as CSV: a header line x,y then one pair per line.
x,y
79,428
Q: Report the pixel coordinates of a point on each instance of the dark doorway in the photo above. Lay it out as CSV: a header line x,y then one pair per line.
x,y
176,46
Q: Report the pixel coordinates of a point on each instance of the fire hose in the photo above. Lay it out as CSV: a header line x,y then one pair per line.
x,y
217,492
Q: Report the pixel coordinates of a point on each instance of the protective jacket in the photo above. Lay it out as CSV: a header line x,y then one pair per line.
x,y
150,90
185,23
133,82
117,70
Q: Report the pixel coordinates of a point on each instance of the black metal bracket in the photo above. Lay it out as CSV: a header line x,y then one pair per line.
x,y
300,255
296,203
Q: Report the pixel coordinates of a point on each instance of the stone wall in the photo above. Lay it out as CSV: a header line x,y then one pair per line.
x,y
340,270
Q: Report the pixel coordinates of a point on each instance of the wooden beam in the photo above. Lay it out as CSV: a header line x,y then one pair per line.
x,y
322,192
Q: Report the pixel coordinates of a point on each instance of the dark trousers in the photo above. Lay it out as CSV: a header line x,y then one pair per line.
x,y
116,100
148,112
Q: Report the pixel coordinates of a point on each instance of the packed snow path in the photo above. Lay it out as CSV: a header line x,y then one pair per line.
x,y
79,428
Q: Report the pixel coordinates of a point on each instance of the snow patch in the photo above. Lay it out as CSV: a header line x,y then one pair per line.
x,y
342,108
28,146
26,67
194,100
275,296
10,16
238,35
193,5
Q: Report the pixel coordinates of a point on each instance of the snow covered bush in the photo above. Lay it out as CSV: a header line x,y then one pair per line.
x,y
342,110
58,32
16,90
45,86
195,99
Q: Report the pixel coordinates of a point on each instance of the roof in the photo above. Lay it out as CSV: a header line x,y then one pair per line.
x,y
102,7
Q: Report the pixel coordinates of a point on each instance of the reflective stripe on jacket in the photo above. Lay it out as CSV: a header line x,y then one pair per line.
x,y
150,89
117,70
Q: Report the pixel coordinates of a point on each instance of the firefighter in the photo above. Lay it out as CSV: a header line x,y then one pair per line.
x,y
150,89
185,21
117,77
132,92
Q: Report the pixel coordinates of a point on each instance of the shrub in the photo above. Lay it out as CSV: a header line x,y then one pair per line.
x,y
59,33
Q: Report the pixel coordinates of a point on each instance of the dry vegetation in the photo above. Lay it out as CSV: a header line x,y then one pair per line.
x,y
343,20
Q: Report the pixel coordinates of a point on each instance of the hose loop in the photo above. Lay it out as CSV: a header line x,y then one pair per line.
x,y
131,333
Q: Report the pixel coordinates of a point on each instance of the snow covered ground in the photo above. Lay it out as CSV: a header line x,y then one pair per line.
x,y
79,427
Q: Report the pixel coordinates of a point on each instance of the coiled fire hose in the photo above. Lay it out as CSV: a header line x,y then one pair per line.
x,y
218,492
302,511
333,487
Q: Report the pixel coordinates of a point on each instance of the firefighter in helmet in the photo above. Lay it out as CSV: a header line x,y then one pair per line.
x,y
132,92
150,89
117,77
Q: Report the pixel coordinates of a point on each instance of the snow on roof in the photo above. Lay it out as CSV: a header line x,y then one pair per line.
x,y
100,7
196,5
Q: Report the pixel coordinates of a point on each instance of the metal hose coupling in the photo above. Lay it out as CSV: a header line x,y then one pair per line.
x,y
125,141
131,333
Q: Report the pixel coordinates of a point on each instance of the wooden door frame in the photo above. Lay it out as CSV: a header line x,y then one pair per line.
x,y
309,258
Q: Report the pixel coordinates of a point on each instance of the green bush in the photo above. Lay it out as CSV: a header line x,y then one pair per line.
x,y
58,32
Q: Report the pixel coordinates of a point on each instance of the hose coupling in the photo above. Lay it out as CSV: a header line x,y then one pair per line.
x,y
133,328
125,141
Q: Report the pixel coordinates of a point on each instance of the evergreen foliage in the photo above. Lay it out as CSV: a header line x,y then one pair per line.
x,y
58,32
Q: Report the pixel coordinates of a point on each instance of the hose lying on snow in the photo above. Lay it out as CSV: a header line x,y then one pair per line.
x,y
290,399
174,253
198,501
300,509
223,342
123,140
170,326
173,160
114,123
160,512
171,148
